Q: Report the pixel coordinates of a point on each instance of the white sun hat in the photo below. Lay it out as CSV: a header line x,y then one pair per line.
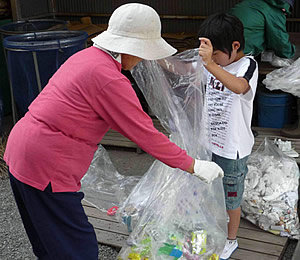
x,y
135,29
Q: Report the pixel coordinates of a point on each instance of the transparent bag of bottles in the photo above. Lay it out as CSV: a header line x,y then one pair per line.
x,y
170,213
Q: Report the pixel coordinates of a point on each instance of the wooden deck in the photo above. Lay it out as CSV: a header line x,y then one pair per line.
x,y
114,138
254,243
273,133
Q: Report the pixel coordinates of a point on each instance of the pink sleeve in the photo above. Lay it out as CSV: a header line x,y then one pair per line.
x,y
119,106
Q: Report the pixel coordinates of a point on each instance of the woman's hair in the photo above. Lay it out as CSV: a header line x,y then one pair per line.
x,y
222,30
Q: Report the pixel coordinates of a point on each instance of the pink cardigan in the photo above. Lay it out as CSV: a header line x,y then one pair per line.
x,y
55,141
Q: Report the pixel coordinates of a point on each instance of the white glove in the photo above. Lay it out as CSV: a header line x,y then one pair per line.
x,y
207,171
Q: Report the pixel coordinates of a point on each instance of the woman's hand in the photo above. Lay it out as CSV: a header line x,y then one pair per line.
x,y
207,171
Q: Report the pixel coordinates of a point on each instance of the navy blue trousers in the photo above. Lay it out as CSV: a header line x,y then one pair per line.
x,y
55,223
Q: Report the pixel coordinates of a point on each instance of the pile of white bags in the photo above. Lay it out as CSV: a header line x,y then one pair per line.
x,y
271,191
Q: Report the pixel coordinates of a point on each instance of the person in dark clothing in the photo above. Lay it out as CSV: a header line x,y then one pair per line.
x,y
265,26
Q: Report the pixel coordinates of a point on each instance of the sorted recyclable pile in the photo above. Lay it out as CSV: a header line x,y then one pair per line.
x,y
271,191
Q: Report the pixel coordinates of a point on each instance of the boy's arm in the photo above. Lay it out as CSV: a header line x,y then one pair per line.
x,y
237,85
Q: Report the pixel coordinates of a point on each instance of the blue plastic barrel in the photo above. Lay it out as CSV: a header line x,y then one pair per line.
x,y
33,58
8,28
34,25
274,110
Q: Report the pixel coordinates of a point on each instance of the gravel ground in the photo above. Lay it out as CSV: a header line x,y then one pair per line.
x,y
14,244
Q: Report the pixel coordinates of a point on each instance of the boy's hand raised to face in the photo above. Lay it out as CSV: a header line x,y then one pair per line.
x,y
206,50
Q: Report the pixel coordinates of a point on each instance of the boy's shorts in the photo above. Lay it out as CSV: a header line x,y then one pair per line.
x,y
233,181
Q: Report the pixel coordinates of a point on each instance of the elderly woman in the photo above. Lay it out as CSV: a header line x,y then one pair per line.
x,y
51,147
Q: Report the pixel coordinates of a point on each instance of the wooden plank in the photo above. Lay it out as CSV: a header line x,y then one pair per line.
x,y
242,254
246,230
92,211
248,225
260,247
104,230
261,236
122,141
251,231
106,225
156,124
88,206
114,141
96,213
248,249
107,238
273,133
114,138
261,137
102,215
86,203
254,243
104,197
110,134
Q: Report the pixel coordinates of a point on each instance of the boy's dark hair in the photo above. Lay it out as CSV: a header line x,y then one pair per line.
x,y
222,30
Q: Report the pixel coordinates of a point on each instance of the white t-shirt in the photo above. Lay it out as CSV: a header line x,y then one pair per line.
x,y
229,113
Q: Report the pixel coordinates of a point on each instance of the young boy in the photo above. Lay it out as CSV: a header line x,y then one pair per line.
x,y
230,90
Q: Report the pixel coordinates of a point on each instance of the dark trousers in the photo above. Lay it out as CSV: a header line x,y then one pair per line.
x,y
56,223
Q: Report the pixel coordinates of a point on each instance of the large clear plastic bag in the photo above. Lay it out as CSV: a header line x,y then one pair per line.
x,y
170,212
271,191
280,62
286,79
186,216
174,90
103,186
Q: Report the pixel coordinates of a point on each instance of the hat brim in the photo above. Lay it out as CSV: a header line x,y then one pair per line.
x,y
147,49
